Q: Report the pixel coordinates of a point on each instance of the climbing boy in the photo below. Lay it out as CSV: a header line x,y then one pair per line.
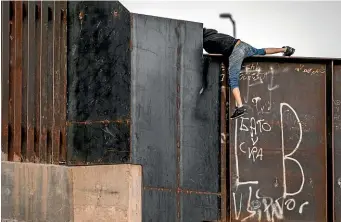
x,y
236,51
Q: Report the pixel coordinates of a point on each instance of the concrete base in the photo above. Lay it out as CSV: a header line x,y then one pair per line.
x,y
39,192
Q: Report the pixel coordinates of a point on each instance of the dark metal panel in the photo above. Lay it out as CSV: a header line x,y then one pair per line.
x,y
98,76
31,78
98,61
224,169
57,95
11,82
43,155
38,37
49,80
200,207
200,144
154,99
5,63
158,205
63,79
98,143
15,154
24,82
337,141
199,115
278,150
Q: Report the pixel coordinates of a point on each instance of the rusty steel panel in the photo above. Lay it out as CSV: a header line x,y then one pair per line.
x,y
15,153
37,130
31,85
24,83
11,83
63,79
5,63
43,82
278,149
56,83
337,141
34,81
49,80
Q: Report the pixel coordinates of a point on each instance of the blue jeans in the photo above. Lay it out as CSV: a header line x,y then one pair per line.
x,y
239,53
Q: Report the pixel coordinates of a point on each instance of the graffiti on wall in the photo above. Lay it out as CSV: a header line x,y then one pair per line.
x,y
266,148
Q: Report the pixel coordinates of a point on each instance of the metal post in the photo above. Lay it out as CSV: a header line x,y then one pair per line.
x,y
229,16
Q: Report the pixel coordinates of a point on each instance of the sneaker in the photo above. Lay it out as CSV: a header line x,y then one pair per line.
x,y
289,51
238,112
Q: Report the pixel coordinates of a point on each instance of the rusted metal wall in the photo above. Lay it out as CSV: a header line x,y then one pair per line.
x,y
337,140
274,163
278,151
33,81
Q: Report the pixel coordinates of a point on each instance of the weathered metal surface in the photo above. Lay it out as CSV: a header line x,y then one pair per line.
x,y
154,98
49,80
44,73
15,153
57,95
29,87
199,159
337,141
98,79
98,71
37,131
24,82
199,207
11,84
5,71
224,92
161,205
278,150
98,143
175,135
63,80
31,81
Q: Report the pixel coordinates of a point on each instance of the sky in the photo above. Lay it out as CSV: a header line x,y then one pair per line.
x,y
312,27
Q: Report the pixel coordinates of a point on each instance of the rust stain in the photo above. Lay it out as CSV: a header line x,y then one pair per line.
x,y
158,189
119,121
179,190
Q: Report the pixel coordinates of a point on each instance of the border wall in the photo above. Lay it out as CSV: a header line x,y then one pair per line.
x,y
90,83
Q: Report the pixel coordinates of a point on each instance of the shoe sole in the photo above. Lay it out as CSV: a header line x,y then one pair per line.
x,y
238,116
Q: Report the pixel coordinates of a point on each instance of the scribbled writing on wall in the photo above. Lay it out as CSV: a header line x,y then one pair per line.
x,y
337,116
267,118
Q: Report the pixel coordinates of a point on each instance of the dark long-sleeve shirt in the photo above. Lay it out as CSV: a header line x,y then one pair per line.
x,y
220,43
